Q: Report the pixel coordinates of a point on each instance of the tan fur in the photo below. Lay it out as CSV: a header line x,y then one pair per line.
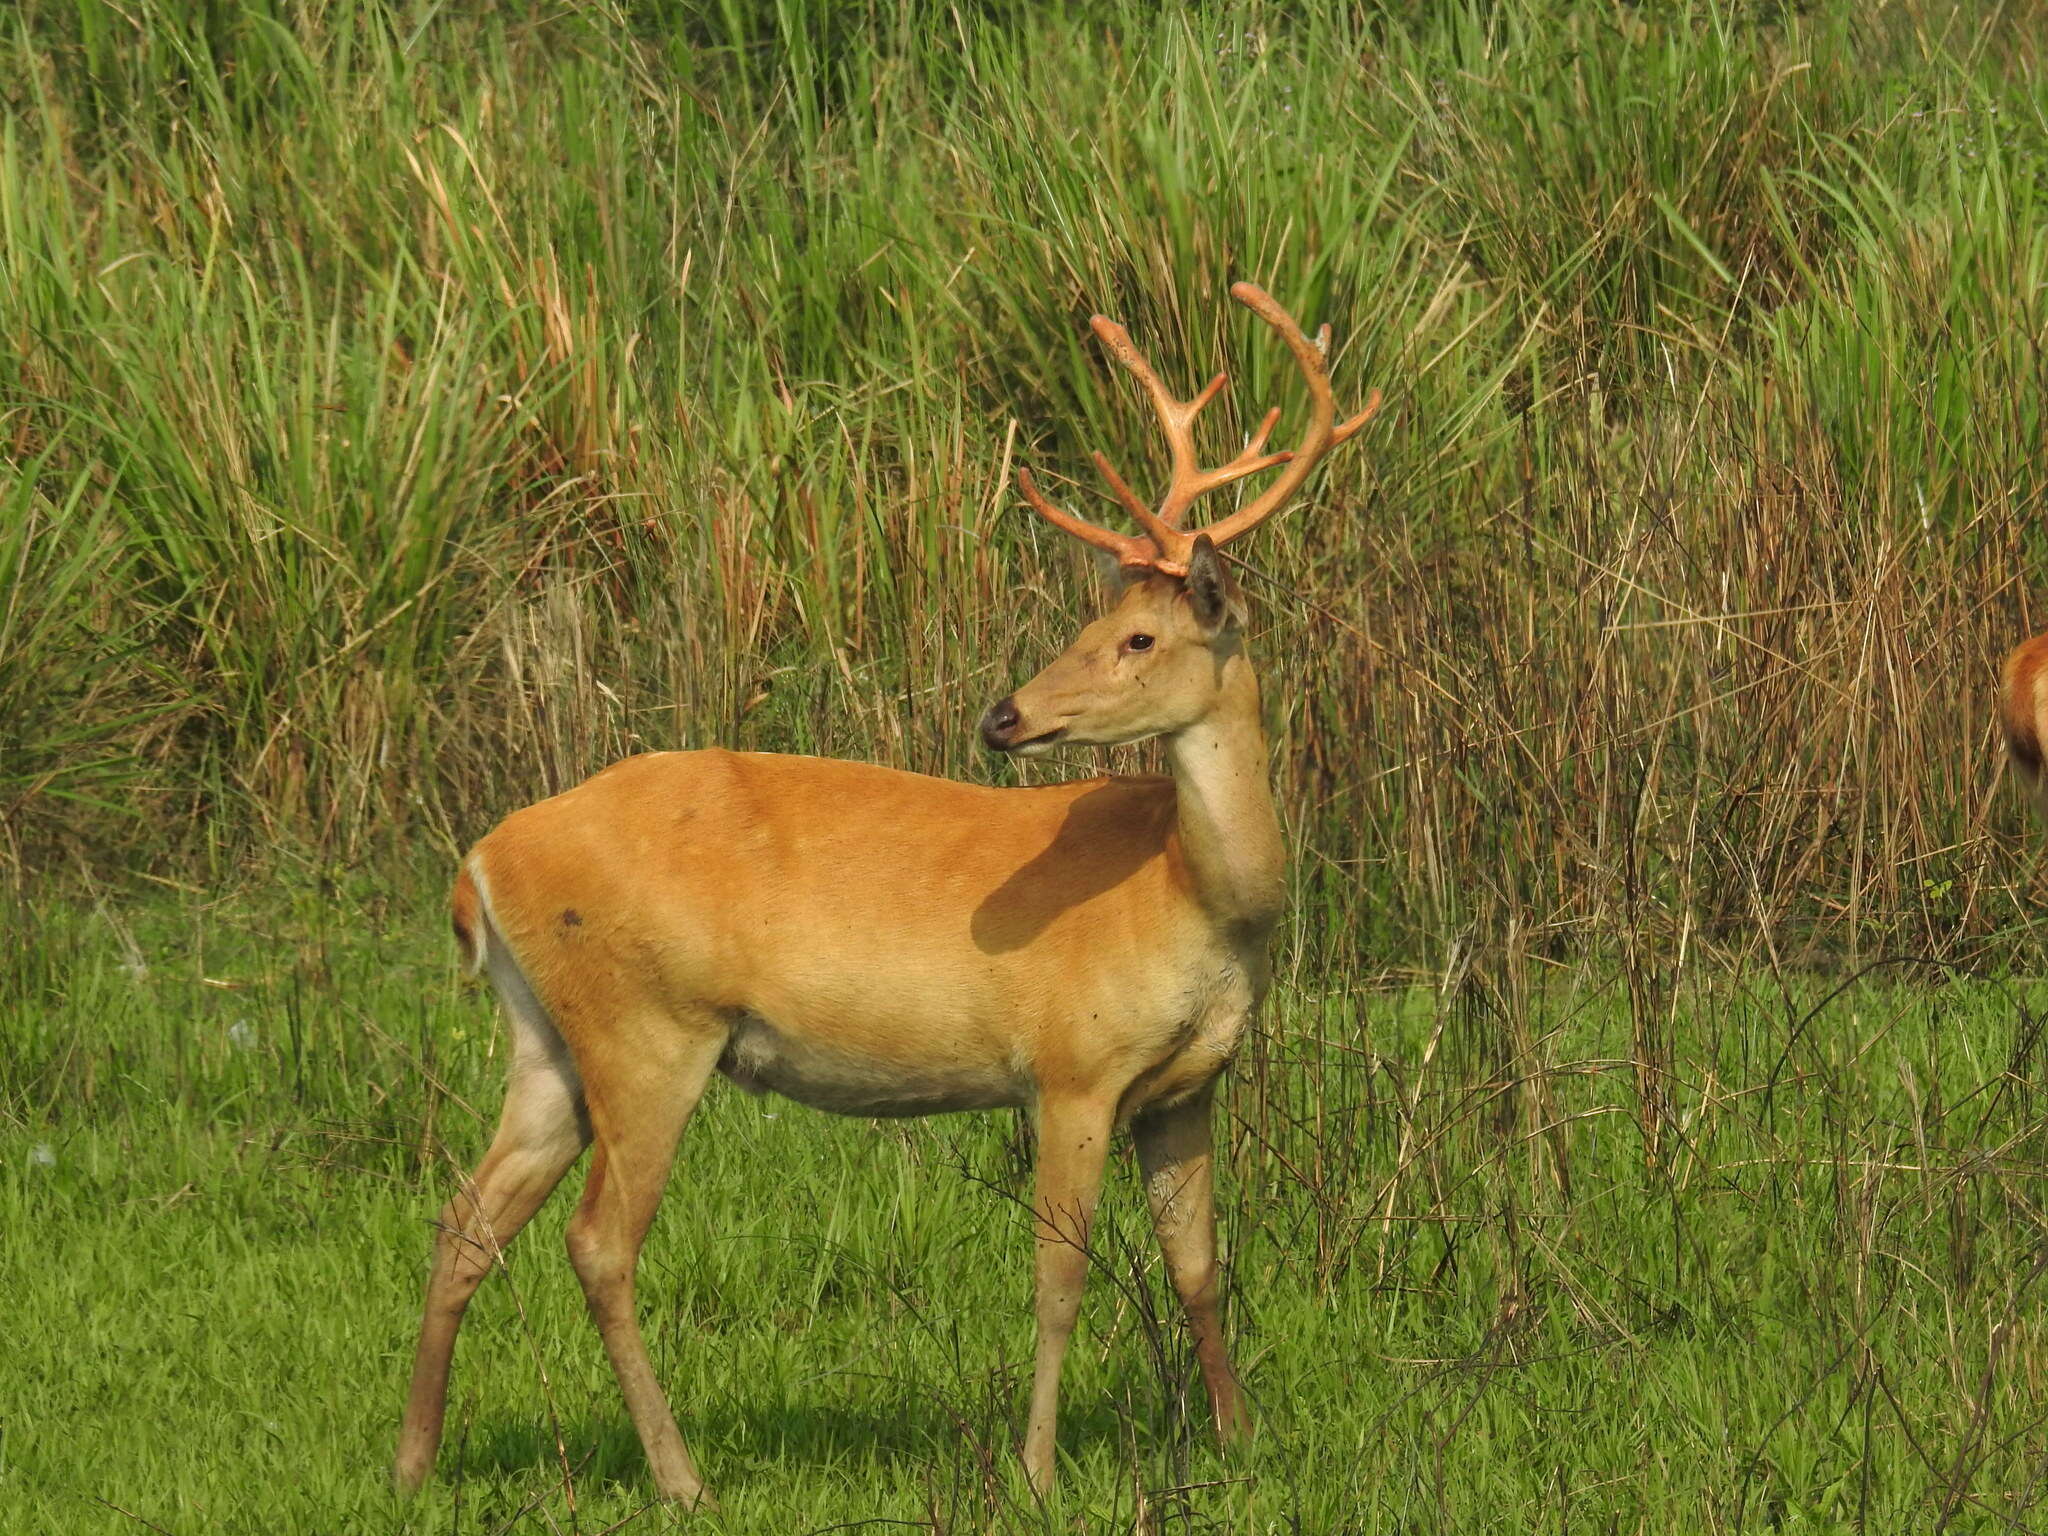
x,y
875,942
466,915
910,945
2023,710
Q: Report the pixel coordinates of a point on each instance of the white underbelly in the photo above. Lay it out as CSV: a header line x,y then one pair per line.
x,y
763,1059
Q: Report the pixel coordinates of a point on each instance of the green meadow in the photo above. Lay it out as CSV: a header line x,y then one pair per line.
x,y
408,408
1469,1293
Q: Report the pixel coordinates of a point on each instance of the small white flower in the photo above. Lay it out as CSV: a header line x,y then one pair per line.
x,y
42,1155
242,1035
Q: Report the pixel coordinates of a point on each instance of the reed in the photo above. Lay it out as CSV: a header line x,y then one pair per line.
x,y
406,412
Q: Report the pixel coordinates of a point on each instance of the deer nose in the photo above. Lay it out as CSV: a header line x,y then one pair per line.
x,y
998,723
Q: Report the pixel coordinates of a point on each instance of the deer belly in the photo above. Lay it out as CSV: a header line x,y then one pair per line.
x,y
764,1059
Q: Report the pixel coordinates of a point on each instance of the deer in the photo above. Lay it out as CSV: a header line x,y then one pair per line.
x,y
2023,711
875,942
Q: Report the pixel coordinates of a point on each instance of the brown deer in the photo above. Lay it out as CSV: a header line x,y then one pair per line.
x,y
874,942
2023,710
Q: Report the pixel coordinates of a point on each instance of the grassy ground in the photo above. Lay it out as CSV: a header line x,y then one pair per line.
x,y
1794,1285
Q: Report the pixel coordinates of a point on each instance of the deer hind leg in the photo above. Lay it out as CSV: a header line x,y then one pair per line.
x,y
1177,1162
1073,1144
541,1131
639,1105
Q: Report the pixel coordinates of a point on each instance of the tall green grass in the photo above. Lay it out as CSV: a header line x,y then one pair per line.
x,y
409,408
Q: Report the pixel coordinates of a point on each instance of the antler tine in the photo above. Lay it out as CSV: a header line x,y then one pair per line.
x,y
1175,416
1254,458
1161,531
1189,480
1129,551
1344,432
1167,546
1312,357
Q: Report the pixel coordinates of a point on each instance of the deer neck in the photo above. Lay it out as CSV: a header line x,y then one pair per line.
x,y
1229,831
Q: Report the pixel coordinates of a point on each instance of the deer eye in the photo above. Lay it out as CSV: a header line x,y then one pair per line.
x,y
1138,643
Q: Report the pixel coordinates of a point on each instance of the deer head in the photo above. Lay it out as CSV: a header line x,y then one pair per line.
x,y
1155,663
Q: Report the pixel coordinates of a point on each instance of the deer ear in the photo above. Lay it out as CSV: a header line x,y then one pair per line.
x,y
1211,594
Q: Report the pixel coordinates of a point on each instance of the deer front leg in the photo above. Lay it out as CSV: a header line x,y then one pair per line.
x,y
1073,1144
1177,1162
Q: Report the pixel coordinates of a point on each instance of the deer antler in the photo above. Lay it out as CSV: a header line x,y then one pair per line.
x,y
1166,546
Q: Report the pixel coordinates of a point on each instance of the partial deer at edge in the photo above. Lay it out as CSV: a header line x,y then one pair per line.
x,y
2023,711
874,942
